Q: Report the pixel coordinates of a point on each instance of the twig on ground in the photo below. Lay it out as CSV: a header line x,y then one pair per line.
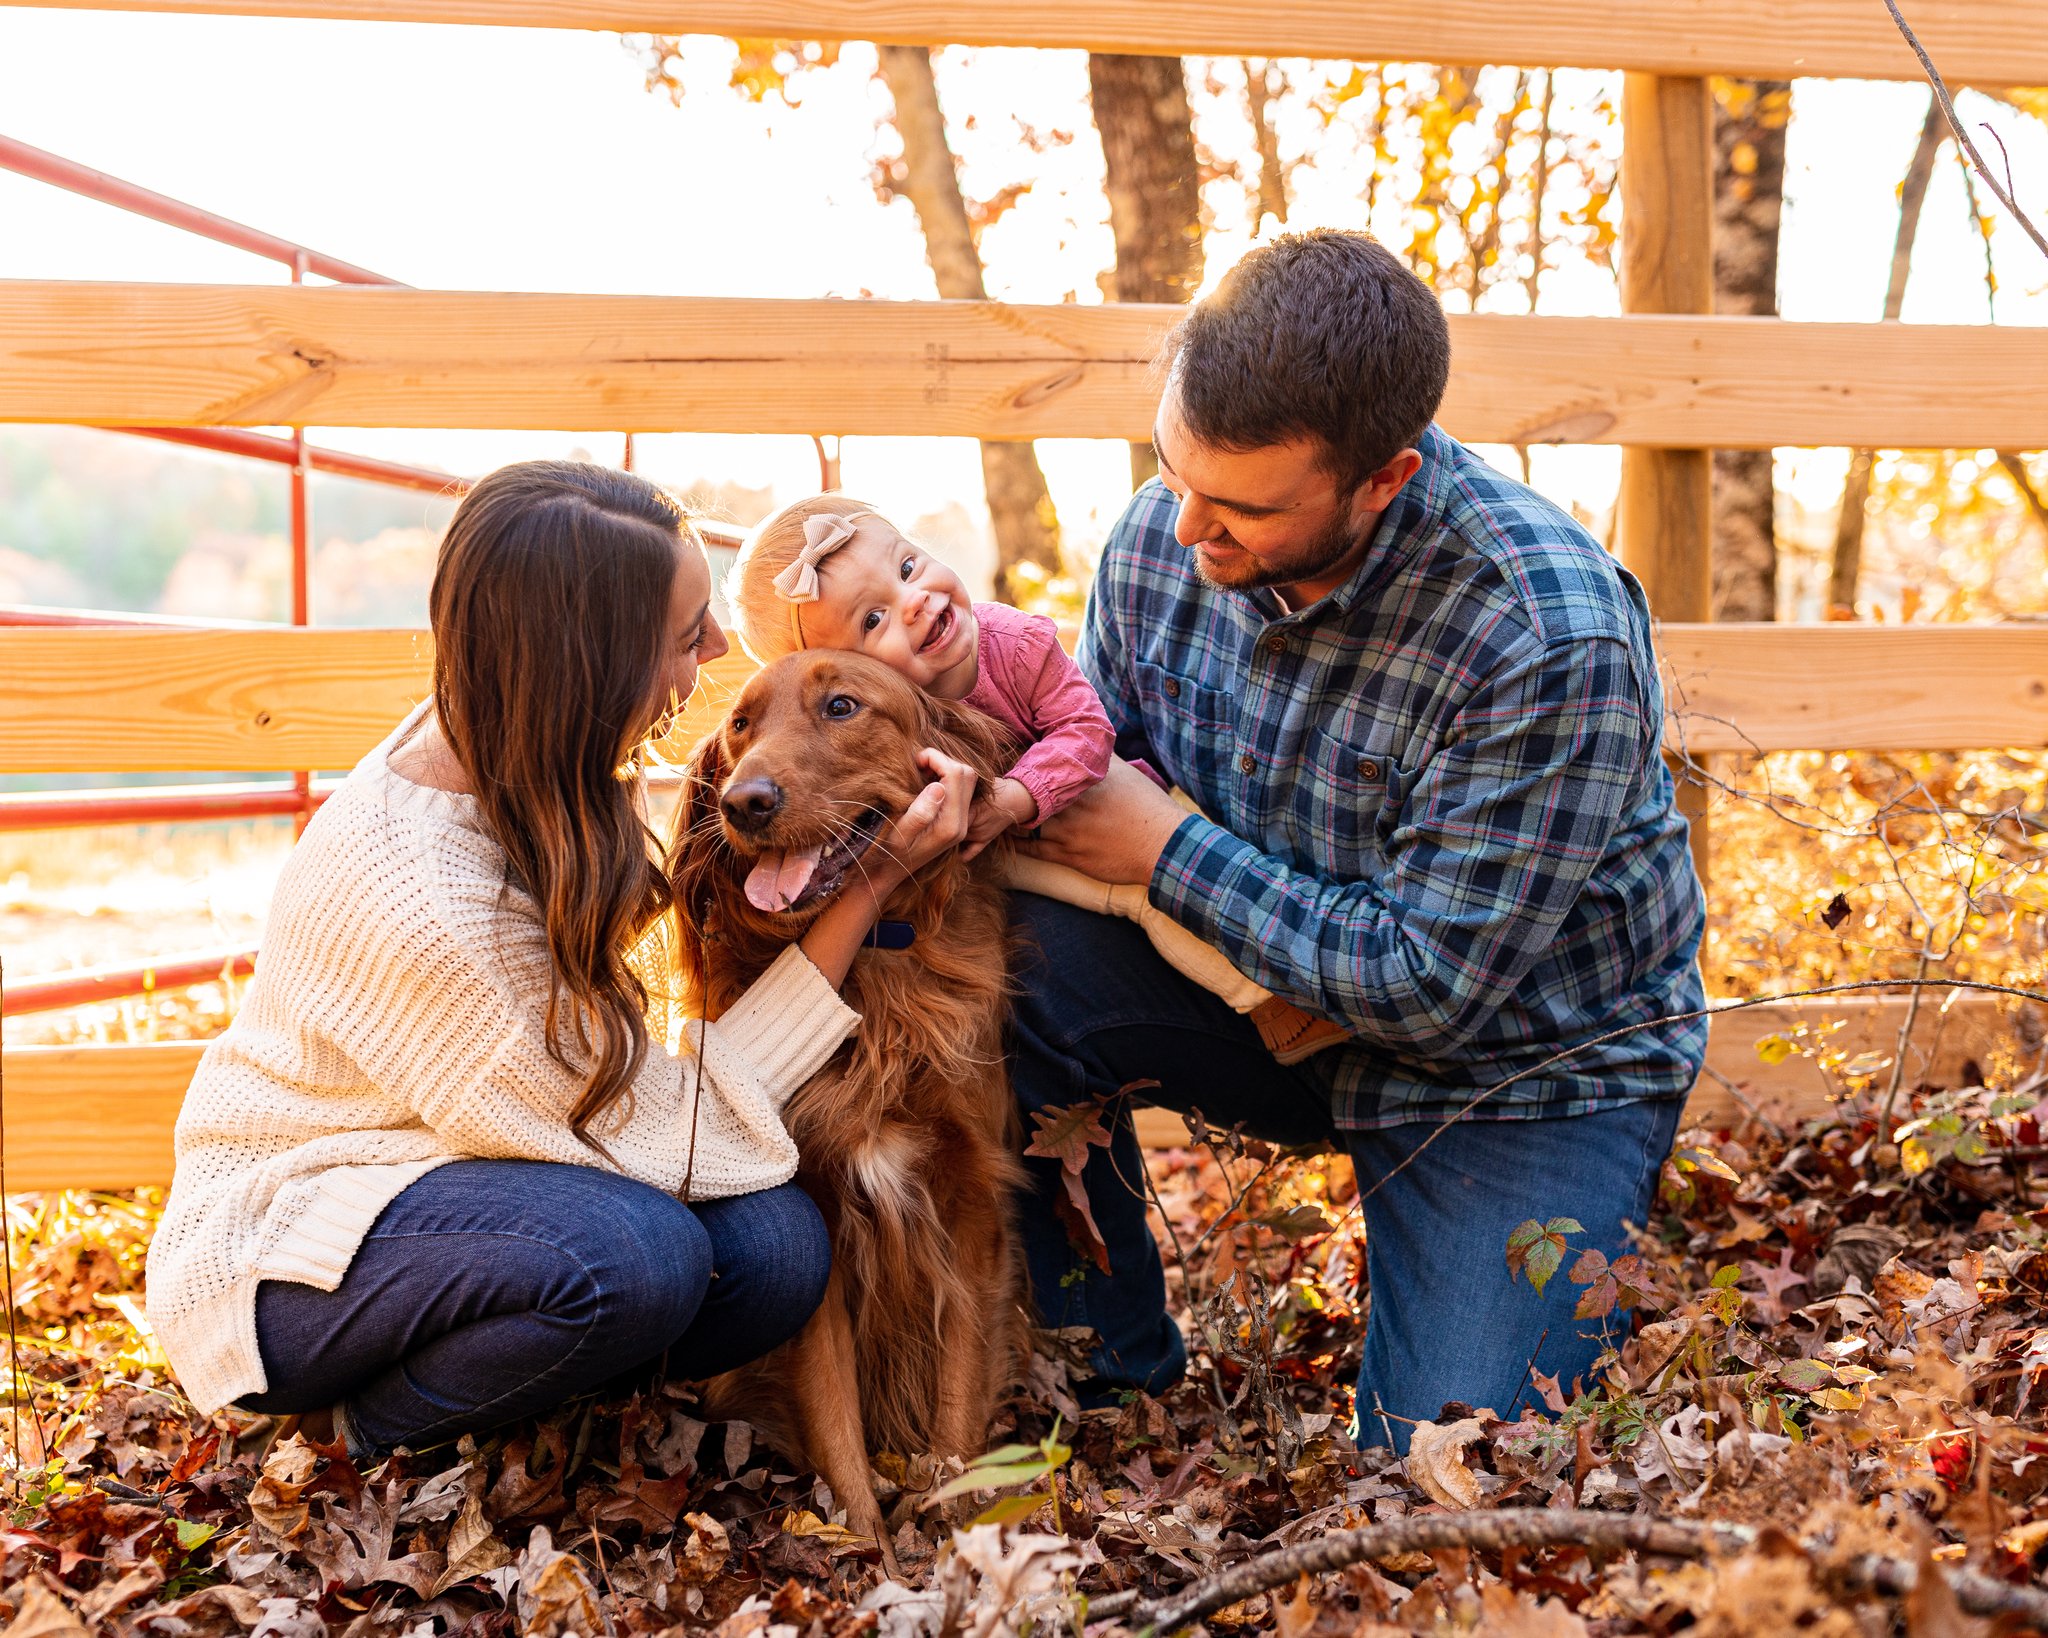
x,y
1710,1011
1545,1527
1749,1107
1891,1093
1955,124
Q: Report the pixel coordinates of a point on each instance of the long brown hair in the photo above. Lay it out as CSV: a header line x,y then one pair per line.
x,y
550,607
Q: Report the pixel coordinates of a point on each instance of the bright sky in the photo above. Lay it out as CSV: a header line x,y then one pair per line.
x,y
535,160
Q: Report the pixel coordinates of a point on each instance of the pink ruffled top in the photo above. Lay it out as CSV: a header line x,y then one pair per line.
x,y
1028,684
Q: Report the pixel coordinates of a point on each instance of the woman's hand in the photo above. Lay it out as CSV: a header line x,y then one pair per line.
x,y
934,823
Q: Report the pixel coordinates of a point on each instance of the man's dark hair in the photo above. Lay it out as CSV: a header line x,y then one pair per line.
x,y
1321,335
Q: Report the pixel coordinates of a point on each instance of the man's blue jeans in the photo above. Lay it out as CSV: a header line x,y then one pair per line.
x,y
1097,1010
492,1289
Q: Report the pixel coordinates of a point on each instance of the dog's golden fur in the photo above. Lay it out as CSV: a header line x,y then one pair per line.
x,y
907,1137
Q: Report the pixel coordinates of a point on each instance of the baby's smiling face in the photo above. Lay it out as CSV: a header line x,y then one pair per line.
x,y
886,597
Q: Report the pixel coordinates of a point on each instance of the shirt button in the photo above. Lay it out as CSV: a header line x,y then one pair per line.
x,y
1247,763
1276,645
1367,768
1173,688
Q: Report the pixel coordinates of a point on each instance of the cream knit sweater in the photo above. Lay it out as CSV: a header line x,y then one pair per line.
x,y
395,1023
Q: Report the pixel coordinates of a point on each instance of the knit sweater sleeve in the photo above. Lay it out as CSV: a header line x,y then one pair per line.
x,y
446,1009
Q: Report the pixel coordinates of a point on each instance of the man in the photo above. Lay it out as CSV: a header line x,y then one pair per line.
x,y
1419,707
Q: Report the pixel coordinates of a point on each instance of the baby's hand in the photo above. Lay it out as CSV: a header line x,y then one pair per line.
x,y
1008,805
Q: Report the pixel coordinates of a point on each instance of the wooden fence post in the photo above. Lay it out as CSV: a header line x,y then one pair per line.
x,y
1665,510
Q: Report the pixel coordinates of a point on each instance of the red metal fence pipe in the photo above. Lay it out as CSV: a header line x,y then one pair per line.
x,y
263,446
29,614
73,177
77,989
149,805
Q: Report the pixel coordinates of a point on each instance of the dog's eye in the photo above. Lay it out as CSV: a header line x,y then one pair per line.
x,y
841,705
737,724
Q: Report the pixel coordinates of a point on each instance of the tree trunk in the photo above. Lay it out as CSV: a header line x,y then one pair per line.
x,y
1019,505
1148,161
1259,94
1847,563
1749,194
2016,469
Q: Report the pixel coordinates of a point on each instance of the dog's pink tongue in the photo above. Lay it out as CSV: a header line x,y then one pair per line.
x,y
775,882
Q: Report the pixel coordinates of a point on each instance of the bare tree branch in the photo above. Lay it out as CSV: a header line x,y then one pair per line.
x,y
1955,124
1545,1527
1712,1009
2023,481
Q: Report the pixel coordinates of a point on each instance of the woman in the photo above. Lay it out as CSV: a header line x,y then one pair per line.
x,y
435,1175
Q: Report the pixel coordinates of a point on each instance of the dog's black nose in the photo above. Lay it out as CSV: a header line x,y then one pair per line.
x,y
751,803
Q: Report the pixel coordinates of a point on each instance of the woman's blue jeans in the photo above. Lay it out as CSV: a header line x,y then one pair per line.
x,y
492,1289
1097,1010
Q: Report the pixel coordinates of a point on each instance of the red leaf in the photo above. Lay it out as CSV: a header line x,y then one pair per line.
x,y
197,1454
1548,1390
1066,1135
1599,1298
1082,1232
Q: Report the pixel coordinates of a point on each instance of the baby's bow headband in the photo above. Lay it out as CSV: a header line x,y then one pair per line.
x,y
824,534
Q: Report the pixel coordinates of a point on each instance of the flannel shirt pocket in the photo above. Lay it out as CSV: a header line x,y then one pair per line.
x,y
1348,804
1194,728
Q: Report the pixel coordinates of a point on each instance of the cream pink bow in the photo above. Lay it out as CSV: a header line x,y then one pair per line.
x,y
824,534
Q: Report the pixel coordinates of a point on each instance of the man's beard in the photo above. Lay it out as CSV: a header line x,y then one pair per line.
x,y
1305,562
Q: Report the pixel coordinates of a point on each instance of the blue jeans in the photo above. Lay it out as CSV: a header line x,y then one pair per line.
x,y
1097,1009
492,1289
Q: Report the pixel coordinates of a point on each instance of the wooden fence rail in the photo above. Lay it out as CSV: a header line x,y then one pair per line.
x,y
1989,42
82,700
1675,381
231,355
101,1117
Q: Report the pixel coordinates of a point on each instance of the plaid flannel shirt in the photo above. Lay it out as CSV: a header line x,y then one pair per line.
x,y
1437,811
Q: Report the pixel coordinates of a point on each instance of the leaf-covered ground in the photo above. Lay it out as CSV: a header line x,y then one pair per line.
x,y
1835,1343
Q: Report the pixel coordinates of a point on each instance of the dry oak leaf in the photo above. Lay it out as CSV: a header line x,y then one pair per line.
x,y
42,1614
1436,1461
704,1555
274,1500
473,1547
1066,1135
1504,1613
1895,1286
555,1596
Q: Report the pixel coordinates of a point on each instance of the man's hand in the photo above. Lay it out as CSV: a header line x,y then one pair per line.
x,y
1009,805
1115,832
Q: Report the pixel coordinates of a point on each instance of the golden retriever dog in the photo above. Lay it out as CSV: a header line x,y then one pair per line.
x,y
908,1136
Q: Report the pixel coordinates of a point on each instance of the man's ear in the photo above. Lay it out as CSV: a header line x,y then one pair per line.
x,y
1377,493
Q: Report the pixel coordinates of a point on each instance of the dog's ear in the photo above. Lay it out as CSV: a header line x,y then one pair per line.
x,y
693,854
968,735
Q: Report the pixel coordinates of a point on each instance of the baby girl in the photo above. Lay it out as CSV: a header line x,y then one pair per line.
x,y
830,572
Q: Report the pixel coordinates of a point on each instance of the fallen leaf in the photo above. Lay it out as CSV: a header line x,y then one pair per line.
x,y
1066,1135
1505,1613
274,1500
1295,1617
555,1596
1895,1286
42,1614
1436,1461
705,1552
